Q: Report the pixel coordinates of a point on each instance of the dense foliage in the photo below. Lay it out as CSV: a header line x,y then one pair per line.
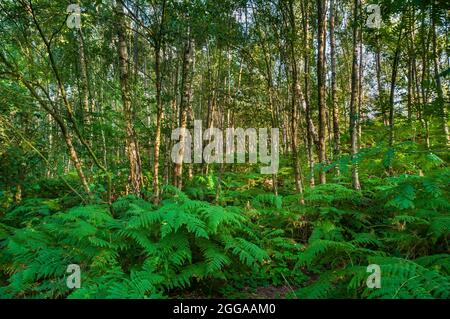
x,y
189,246
90,101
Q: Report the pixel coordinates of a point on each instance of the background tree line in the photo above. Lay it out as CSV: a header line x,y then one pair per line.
x,y
103,99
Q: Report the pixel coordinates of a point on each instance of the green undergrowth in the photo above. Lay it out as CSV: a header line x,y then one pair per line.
x,y
249,239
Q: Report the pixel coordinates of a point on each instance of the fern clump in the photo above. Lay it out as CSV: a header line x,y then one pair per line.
x,y
138,251
405,231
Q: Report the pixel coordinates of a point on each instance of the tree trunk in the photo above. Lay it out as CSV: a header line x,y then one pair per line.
x,y
132,147
159,118
184,107
159,107
360,83
353,102
290,32
310,132
379,83
84,82
321,81
334,106
440,95
392,92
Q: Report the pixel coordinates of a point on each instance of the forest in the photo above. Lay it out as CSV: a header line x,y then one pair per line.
x,y
256,149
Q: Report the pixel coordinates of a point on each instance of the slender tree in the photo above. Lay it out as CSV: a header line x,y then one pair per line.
x,y
334,106
353,99
321,82
132,146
